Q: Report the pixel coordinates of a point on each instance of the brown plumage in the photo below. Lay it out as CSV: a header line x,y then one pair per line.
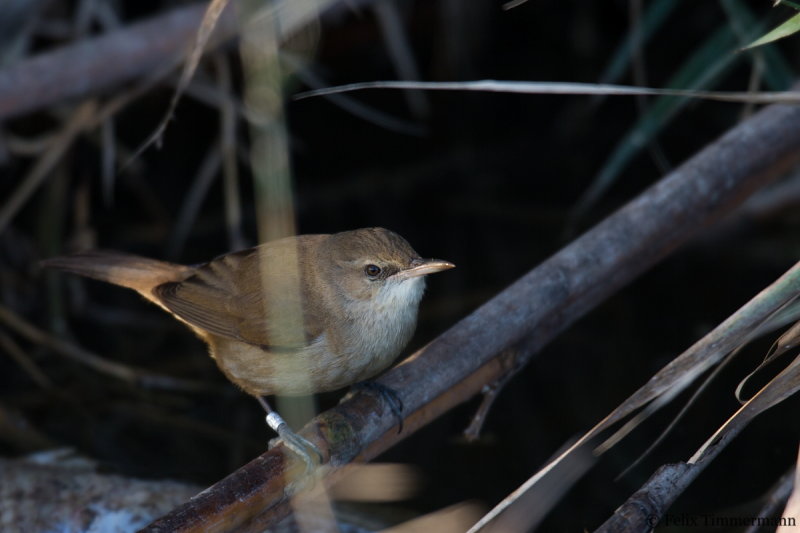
x,y
294,316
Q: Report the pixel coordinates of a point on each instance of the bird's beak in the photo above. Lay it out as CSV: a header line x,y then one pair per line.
x,y
423,267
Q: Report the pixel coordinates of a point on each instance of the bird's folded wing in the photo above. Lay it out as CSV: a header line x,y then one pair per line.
x,y
227,297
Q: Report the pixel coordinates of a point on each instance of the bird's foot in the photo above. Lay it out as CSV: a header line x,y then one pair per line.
x,y
388,395
302,447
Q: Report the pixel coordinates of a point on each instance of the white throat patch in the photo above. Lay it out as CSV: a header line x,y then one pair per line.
x,y
400,294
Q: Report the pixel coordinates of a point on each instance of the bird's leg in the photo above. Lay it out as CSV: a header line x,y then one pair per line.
x,y
301,446
388,395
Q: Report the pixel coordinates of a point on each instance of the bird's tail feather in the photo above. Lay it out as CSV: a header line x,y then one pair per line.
x,y
132,271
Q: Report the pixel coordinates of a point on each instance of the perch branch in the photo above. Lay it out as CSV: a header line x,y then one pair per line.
x,y
526,315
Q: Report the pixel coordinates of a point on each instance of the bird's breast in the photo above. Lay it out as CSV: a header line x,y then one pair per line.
x,y
356,346
379,329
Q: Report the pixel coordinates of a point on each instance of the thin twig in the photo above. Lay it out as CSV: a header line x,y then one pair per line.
x,y
490,393
228,148
79,121
542,87
119,371
375,116
397,43
211,18
193,200
109,157
96,64
24,361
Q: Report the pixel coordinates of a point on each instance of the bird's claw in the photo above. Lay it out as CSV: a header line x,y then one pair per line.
x,y
302,447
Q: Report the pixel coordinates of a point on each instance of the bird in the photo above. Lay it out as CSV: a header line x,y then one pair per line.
x,y
294,316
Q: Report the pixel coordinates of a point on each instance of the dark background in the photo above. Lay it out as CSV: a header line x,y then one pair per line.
x,y
490,185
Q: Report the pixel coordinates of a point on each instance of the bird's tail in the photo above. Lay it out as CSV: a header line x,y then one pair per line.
x,y
138,273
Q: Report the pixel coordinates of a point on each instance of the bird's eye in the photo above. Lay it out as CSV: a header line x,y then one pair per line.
x,y
372,270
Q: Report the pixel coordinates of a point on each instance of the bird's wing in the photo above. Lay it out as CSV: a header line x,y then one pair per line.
x,y
245,296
